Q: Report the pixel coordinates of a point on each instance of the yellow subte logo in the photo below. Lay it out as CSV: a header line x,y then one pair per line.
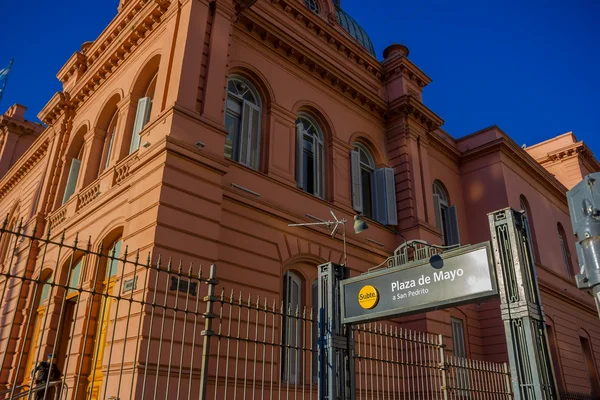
x,y
368,297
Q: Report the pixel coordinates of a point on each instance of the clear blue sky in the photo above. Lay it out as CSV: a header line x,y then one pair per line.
x,y
530,66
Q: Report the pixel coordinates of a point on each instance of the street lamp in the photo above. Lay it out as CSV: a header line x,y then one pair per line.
x,y
359,226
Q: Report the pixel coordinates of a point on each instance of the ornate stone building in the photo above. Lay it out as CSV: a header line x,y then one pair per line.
x,y
200,129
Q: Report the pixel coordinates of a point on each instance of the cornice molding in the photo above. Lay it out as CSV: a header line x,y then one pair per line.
x,y
524,160
409,106
443,146
578,149
22,167
400,65
318,26
307,61
113,47
22,128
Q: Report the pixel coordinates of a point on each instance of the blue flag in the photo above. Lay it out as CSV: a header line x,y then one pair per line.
x,y
4,78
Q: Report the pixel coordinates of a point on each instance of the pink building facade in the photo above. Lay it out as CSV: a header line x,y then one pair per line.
x,y
199,130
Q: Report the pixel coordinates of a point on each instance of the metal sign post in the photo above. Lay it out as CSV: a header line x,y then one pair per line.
x,y
335,350
521,307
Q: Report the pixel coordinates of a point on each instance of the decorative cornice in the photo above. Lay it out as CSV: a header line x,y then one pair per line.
x,y
21,128
317,26
22,167
290,49
409,106
55,108
578,149
435,140
118,41
400,65
508,147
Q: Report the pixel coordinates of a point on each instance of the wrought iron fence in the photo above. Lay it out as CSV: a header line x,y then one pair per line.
x,y
119,326
578,396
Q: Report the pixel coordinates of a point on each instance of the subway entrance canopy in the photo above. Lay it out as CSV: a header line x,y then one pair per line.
x,y
455,277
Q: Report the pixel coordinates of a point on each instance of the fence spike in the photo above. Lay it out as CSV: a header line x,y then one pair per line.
x,y
222,294
158,262
249,299
190,270
240,299
266,306
170,264
258,301
200,273
231,296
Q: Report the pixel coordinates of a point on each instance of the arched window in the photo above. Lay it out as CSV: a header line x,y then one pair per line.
x,y
292,327
529,227
243,122
74,169
313,5
142,114
564,246
446,218
109,140
310,156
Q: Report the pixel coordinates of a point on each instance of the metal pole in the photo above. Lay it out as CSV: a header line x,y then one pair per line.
x,y
521,307
207,332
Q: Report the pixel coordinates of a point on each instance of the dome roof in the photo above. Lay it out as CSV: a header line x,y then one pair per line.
x,y
355,30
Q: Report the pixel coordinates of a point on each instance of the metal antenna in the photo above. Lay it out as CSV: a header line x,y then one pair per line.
x,y
336,224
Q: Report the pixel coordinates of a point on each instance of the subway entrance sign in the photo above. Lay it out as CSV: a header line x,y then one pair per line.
x,y
452,278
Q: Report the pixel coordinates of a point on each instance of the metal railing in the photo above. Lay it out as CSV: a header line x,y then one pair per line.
x,y
578,396
120,327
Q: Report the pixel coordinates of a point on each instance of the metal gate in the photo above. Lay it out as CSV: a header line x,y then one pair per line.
x,y
121,326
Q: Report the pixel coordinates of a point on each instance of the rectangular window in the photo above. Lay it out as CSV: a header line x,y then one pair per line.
x,y
291,329
458,338
75,277
142,116
589,365
72,179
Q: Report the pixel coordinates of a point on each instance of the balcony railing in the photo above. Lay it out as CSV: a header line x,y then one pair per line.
x,y
114,176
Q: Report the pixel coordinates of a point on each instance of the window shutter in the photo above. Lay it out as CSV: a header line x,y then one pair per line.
x,y
385,197
452,224
245,135
299,149
438,212
357,201
72,179
390,196
254,136
142,116
319,170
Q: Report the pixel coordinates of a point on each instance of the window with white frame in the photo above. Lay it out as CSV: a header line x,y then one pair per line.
x,y
446,218
310,156
292,328
109,141
142,115
312,5
73,176
564,246
242,122
373,189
